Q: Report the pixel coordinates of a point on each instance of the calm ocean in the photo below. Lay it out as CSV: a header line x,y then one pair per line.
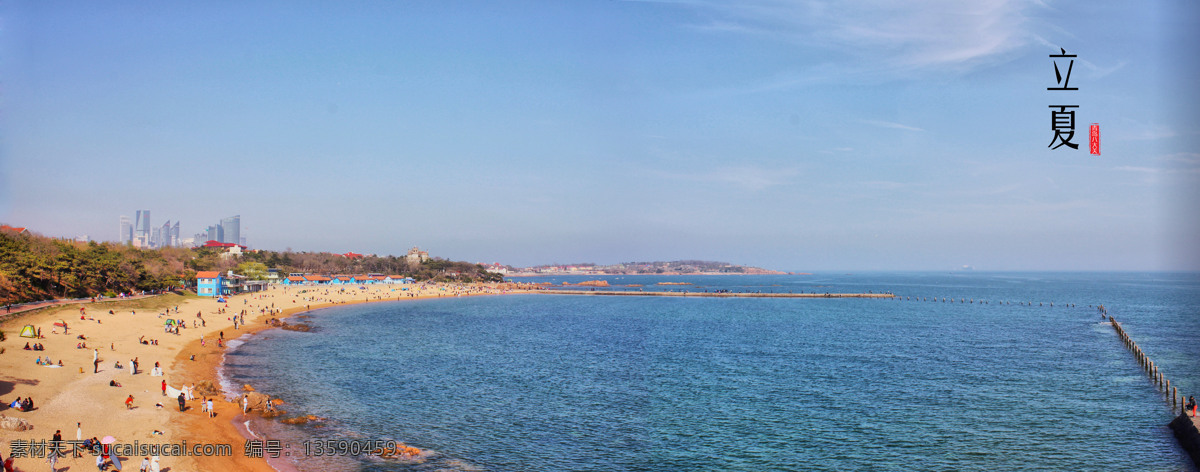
x,y
560,382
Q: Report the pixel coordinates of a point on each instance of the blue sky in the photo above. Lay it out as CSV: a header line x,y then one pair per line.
x,y
807,135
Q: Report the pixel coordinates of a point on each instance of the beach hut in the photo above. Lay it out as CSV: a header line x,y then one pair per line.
x,y
208,283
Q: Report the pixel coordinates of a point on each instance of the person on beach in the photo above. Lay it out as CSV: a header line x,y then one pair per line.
x,y
52,458
145,465
164,387
182,402
211,412
55,444
129,403
1191,405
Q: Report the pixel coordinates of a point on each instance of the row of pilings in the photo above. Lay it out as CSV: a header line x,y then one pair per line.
x,y
1160,380
979,301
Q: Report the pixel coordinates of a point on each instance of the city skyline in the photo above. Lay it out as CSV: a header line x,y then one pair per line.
x,y
168,235
794,136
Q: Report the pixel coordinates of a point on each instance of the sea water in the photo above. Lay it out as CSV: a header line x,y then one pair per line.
x,y
998,381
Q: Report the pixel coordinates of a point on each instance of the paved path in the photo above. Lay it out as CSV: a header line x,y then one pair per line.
x,y
15,310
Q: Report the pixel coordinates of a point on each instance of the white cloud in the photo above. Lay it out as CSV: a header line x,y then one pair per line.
x,y
888,124
909,35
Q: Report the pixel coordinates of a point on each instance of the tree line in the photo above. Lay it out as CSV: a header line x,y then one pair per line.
x,y
34,267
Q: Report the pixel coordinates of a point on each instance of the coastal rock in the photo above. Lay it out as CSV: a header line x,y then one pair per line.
x,y
593,283
14,424
247,388
207,389
302,419
297,327
296,420
401,451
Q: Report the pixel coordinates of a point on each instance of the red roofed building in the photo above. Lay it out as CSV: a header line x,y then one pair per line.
x,y
21,230
212,243
352,255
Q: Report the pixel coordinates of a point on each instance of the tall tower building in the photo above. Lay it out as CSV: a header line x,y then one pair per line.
x,y
164,237
126,235
141,229
231,229
175,241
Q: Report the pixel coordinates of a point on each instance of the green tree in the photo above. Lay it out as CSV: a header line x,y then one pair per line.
x,y
252,270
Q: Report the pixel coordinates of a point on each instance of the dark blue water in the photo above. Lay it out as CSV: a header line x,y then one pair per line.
x,y
559,382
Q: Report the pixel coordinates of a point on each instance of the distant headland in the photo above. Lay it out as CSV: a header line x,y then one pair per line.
x,y
644,268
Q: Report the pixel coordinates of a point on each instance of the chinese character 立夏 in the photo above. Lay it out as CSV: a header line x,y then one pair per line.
x,y
1063,122
1058,76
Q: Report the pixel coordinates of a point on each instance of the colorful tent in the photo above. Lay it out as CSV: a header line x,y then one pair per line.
x,y
28,332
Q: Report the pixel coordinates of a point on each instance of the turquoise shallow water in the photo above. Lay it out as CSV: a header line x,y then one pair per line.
x,y
558,382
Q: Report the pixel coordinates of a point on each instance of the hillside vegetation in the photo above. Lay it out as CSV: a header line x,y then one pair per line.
x,y
34,267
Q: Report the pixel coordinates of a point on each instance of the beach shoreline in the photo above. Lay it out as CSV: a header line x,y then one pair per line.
x,y
70,394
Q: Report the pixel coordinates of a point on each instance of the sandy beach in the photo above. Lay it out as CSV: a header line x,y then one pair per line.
x,y
74,393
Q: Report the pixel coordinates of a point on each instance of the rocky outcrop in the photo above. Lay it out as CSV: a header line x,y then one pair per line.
x,y
11,423
302,419
289,326
206,388
593,283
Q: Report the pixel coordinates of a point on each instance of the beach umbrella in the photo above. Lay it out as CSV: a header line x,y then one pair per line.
x,y
169,322
108,440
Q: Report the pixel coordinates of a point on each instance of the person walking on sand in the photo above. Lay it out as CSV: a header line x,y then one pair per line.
x,y
96,360
164,387
52,458
182,402
211,412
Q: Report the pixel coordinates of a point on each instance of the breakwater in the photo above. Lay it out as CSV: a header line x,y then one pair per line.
x,y
1184,426
1160,380
719,294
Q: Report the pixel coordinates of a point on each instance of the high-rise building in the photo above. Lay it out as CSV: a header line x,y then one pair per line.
x,y
164,236
231,230
142,228
155,237
175,242
126,235
213,234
